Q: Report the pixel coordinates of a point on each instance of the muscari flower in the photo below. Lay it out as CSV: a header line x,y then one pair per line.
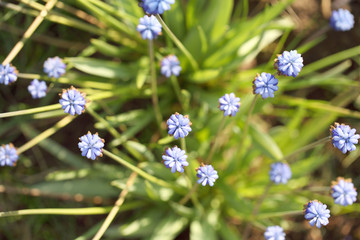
x,y
343,191
72,101
149,27
289,63
175,158
91,145
280,173
206,175
54,67
8,155
37,89
156,6
317,213
343,137
179,125
274,233
229,104
341,20
170,65
265,85
8,74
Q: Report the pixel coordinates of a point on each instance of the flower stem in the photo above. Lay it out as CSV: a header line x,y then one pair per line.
x,y
215,141
186,198
116,207
142,173
29,32
178,43
306,148
177,90
183,144
30,111
256,210
155,99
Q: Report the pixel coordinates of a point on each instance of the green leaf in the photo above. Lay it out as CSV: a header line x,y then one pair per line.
x,y
201,229
168,227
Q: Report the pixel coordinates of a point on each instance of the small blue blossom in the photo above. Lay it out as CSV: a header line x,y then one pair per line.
x,y
8,74
72,101
170,65
179,125
265,85
37,89
175,158
149,27
274,233
229,104
343,192
54,67
8,155
206,175
280,173
342,20
343,137
317,213
91,145
289,63
156,6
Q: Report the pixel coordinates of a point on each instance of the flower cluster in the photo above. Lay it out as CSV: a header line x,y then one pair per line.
x,y
156,6
8,155
72,101
37,89
8,74
280,173
149,27
316,213
229,104
91,145
265,84
343,191
343,137
54,67
206,175
274,233
342,20
179,125
175,158
289,63
170,65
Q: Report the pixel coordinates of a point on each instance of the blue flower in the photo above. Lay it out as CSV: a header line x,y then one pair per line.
x,y
317,213
170,65
343,137
156,6
8,155
280,173
54,67
175,158
343,191
149,27
8,74
179,125
341,20
91,145
265,85
289,63
229,104
37,89
206,175
274,233
72,101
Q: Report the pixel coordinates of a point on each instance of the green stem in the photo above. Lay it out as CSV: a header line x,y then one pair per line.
x,y
183,144
29,32
306,148
155,99
186,198
177,90
30,111
182,48
47,133
116,207
145,175
246,126
216,141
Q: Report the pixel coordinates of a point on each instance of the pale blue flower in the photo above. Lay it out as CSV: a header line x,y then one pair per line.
x,y
343,192
170,65
265,85
149,27
229,104
175,158
343,137
317,213
280,173
206,175
289,63
156,6
8,74
274,233
179,125
37,89
72,101
91,145
8,155
342,20
54,67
